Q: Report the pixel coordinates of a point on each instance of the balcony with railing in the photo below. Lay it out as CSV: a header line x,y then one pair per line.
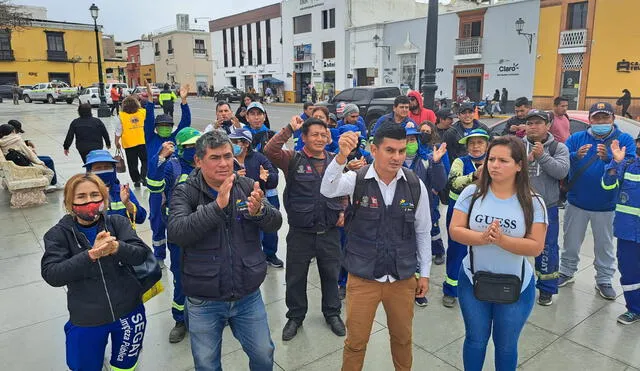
x,y
573,41
57,56
7,55
468,48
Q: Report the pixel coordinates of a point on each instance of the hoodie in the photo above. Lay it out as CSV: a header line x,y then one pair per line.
x,y
424,114
587,192
546,172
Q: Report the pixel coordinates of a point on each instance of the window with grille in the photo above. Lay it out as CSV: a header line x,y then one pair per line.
x,y
199,47
572,62
55,41
472,29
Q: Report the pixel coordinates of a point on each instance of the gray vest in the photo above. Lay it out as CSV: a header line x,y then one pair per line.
x,y
381,239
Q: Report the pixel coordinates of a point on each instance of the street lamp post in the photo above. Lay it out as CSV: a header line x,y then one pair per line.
x,y
429,86
528,36
103,109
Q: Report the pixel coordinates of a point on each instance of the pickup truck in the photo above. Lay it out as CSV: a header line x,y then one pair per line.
x,y
50,92
373,101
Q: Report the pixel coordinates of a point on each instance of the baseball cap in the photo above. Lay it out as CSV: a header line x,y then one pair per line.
x,y
99,155
187,136
446,114
241,133
412,131
467,106
257,105
340,109
333,117
17,125
474,133
164,119
601,107
544,115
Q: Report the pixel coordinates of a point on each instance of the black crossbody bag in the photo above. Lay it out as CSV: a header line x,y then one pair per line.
x,y
495,287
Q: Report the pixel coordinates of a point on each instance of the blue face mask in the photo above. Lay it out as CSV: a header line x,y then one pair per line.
x,y
188,154
237,150
479,158
601,129
108,177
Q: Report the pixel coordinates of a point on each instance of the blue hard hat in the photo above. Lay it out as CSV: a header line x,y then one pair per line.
x,y
99,155
412,131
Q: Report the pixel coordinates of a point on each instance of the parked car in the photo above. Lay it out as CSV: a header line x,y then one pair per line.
x,y
229,94
126,91
579,121
6,92
372,101
51,92
90,95
142,93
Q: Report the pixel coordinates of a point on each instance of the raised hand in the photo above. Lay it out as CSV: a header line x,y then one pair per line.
x,y
255,200
264,174
296,123
618,153
125,194
224,192
184,93
439,152
168,148
347,143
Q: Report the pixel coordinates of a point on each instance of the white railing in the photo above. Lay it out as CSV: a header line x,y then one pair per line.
x,y
573,38
470,45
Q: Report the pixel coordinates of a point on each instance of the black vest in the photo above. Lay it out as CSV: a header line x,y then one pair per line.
x,y
229,263
381,239
307,209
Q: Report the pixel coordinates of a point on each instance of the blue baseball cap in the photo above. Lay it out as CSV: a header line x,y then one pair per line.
x,y
99,155
241,133
257,105
412,131
601,107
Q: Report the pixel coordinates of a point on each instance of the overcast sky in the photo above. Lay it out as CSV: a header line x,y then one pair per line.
x,y
130,19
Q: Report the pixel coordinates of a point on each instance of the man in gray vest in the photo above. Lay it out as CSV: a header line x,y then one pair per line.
x,y
312,222
388,235
216,217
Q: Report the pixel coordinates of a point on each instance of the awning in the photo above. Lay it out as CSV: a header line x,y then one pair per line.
x,y
271,80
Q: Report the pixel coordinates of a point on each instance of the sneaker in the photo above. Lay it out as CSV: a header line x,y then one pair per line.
x,y
161,263
177,333
606,291
50,189
438,259
565,280
342,292
422,302
449,301
273,261
628,318
545,299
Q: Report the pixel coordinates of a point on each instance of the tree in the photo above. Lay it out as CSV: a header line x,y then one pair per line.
x,y
12,16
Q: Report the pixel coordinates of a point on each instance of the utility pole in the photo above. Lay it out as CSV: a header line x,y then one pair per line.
x,y
429,86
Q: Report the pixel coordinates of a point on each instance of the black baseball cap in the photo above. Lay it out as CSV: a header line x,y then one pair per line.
x,y
544,115
467,106
445,114
17,125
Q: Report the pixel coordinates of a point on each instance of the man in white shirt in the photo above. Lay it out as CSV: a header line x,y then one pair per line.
x,y
388,224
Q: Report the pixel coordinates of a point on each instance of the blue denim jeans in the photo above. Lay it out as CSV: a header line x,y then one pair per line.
x,y
482,318
248,320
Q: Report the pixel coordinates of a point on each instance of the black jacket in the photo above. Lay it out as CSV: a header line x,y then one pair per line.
x,y
89,133
222,258
99,292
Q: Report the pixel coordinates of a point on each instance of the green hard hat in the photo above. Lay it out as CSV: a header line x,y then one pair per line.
x,y
187,136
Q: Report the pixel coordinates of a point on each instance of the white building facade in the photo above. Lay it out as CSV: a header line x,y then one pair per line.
x,y
247,50
479,51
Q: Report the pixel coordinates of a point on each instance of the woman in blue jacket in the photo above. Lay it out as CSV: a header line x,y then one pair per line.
x,y
121,200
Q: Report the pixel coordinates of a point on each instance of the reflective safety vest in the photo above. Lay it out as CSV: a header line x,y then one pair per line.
x,y
468,167
132,128
626,180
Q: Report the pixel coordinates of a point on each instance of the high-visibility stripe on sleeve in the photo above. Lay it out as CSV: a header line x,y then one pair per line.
x,y
608,187
632,177
115,206
635,211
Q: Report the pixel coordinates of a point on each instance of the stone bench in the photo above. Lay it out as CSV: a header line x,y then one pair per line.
x,y
25,183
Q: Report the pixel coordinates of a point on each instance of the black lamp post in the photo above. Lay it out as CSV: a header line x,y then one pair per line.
x,y
429,86
103,109
519,28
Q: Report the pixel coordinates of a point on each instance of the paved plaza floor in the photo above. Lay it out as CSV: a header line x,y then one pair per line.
x,y
578,332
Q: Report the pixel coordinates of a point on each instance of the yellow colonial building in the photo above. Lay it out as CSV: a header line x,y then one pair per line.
x,y
49,50
588,51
